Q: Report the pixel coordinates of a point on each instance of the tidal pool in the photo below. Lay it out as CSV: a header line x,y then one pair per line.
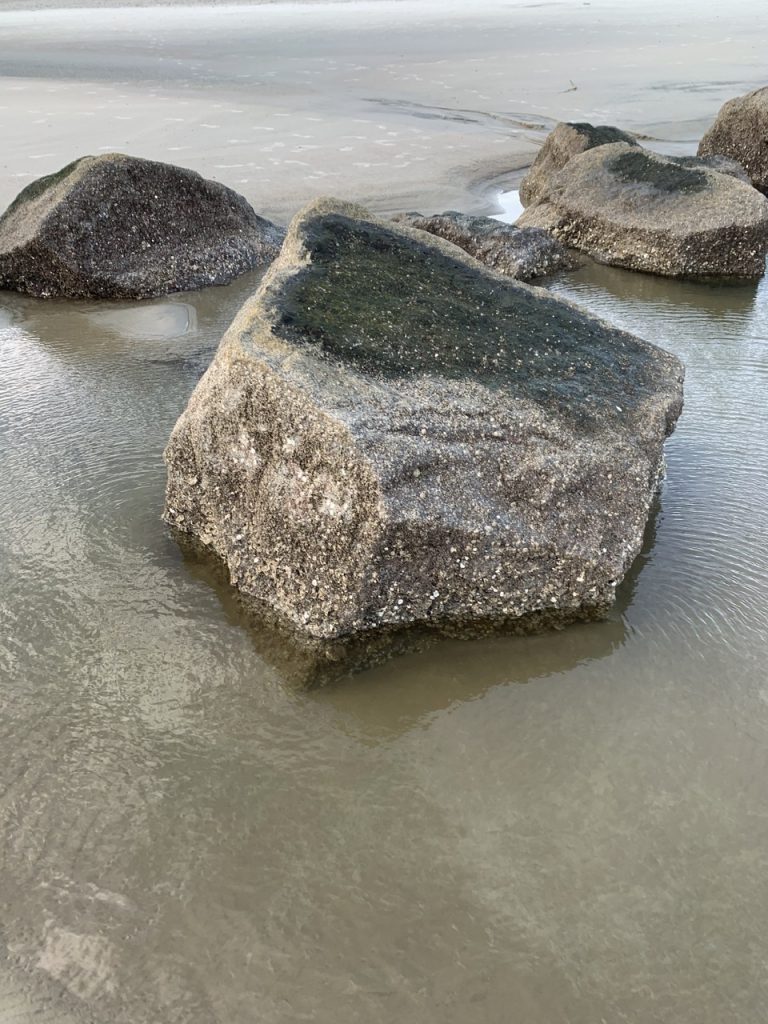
x,y
561,829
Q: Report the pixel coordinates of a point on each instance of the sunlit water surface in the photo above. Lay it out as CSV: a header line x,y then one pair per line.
x,y
564,829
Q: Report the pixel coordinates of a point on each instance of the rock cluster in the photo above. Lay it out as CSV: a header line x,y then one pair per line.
x,y
117,227
627,206
522,253
391,434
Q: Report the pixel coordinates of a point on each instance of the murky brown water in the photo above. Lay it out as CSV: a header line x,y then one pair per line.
x,y
565,828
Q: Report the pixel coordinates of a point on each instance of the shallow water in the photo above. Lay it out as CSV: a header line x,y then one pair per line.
x,y
187,837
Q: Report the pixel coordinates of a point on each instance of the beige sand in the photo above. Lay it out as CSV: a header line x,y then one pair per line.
x,y
401,104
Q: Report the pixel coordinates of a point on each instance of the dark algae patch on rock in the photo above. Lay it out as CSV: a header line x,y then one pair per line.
x,y
565,141
633,167
373,302
392,435
632,208
115,226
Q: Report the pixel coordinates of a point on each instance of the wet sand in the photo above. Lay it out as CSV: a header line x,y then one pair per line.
x,y
401,104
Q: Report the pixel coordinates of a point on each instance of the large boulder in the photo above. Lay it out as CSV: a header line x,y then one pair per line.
x,y
116,227
522,253
390,434
565,141
740,132
632,208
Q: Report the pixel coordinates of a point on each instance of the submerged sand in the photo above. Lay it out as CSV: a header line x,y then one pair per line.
x,y
400,104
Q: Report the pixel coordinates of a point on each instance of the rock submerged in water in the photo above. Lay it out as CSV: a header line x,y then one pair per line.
x,y
522,253
118,227
629,207
740,132
565,141
392,435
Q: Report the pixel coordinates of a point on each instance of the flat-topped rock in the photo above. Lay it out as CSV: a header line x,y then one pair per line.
x,y
522,253
632,208
565,141
740,132
391,434
117,227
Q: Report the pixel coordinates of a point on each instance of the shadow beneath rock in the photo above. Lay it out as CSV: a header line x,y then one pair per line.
x,y
715,297
415,660
174,328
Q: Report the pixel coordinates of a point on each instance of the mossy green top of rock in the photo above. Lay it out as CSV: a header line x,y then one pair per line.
x,y
600,134
367,294
639,167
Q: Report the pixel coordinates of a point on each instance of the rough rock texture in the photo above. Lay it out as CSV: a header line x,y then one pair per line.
x,y
722,164
740,132
522,253
632,208
565,141
391,434
114,226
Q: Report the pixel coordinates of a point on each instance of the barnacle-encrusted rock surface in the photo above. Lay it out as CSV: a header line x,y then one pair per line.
x,y
740,132
391,434
522,253
722,164
115,226
565,141
632,208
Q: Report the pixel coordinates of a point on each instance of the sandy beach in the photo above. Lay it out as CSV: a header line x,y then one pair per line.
x,y
401,104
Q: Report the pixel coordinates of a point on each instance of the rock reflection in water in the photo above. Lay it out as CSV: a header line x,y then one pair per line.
x,y
485,656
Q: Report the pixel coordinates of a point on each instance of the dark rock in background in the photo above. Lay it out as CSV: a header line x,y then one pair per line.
x,y
522,253
116,227
629,207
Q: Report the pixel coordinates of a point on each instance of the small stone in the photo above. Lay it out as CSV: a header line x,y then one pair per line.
x,y
522,253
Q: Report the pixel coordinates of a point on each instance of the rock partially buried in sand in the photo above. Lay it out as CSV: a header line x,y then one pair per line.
x,y
391,434
565,141
629,207
117,227
522,253
740,132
